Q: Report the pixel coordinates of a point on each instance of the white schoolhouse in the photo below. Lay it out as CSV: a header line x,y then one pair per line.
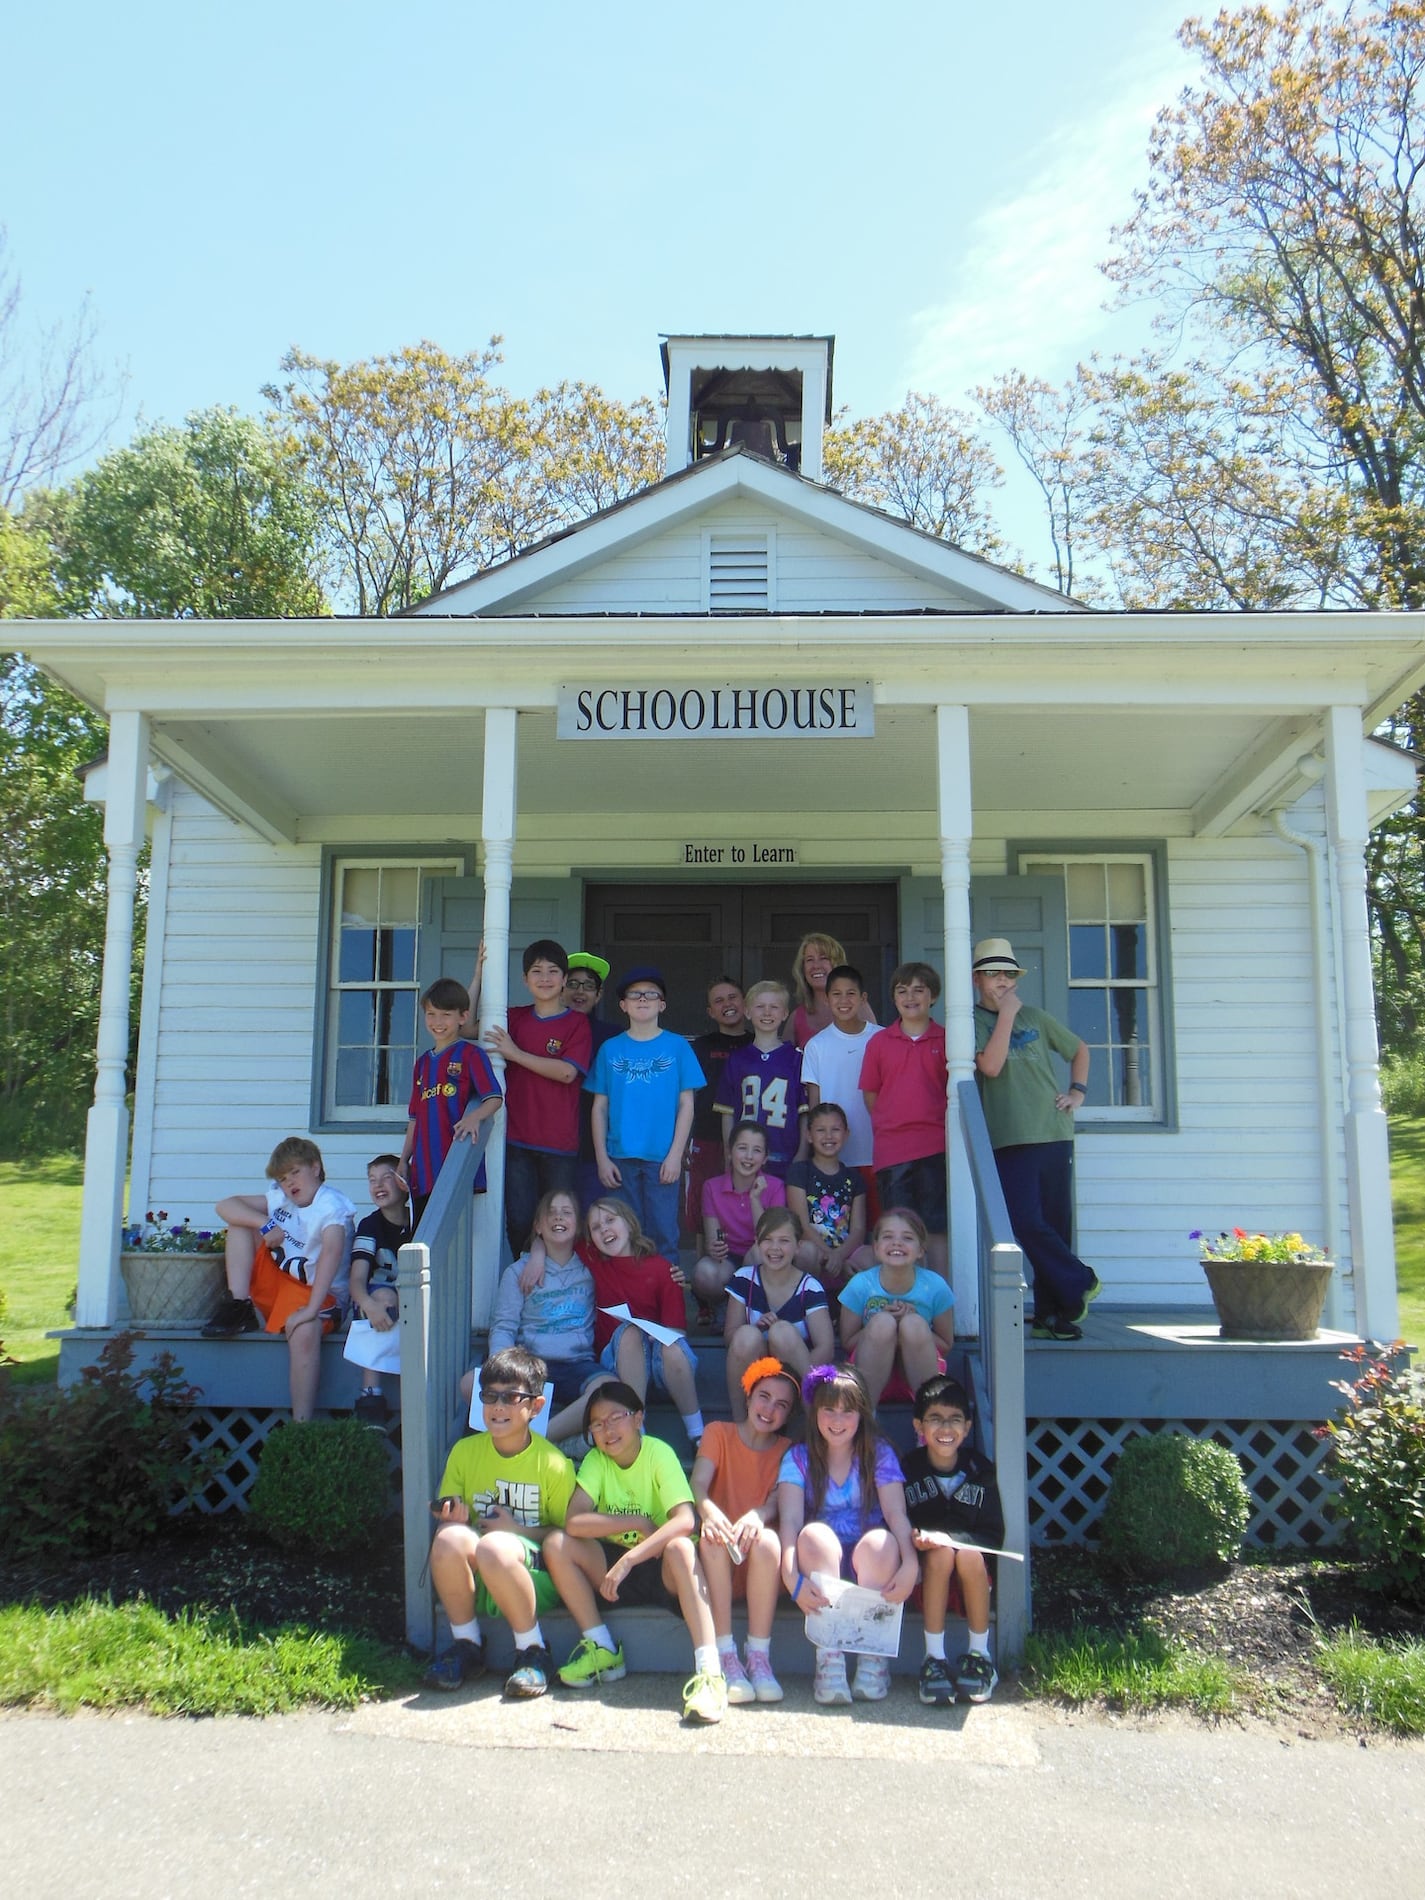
x,y
732,709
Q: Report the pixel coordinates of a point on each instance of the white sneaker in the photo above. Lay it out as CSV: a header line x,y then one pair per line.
x,y
873,1679
759,1673
830,1684
739,1689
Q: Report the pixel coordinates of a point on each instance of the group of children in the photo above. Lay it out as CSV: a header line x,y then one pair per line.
x,y
778,1140
519,1531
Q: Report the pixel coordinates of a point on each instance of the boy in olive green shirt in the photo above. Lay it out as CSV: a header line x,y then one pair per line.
x,y
1031,1124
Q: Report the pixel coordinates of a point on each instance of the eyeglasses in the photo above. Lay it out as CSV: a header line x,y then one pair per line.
x,y
643,996
609,1418
503,1397
582,983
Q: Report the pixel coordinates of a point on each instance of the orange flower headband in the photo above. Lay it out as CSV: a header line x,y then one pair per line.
x,y
768,1368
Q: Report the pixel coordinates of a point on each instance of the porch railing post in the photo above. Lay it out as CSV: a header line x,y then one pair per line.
x,y
418,1437
1006,1343
497,839
106,1140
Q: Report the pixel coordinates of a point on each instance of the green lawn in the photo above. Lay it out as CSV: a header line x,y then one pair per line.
x,y
39,1257
1407,1174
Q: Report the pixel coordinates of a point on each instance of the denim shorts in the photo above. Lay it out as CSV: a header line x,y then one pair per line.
x,y
653,1350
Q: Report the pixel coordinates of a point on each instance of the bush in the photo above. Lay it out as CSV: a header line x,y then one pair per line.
x,y
1174,1502
322,1487
98,1465
1379,1458
1402,1081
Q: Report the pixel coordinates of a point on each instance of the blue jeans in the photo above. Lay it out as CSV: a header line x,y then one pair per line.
x,y
1038,1182
655,1202
531,1173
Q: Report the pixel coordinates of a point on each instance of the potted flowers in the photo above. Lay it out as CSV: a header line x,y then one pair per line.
x,y
1264,1286
174,1272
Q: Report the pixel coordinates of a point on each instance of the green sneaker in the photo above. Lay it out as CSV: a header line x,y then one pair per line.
x,y
705,1697
590,1662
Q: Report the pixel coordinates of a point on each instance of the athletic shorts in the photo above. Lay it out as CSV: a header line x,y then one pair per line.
x,y
919,1185
546,1596
276,1295
643,1588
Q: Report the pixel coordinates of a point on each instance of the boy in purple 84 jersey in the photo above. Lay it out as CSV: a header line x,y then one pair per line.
x,y
453,1090
762,1082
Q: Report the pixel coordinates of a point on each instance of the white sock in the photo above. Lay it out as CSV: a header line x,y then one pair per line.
x,y
693,1425
759,1645
466,1632
979,1642
935,1645
706,1661
602,1635
530,1638
726,1646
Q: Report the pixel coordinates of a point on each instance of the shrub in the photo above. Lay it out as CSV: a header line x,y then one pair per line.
x,y
1379,1457
1174,1502
100,1464
1402,1081
322,1487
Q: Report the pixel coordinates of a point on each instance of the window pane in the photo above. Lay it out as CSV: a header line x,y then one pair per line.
x,y
401,952
399,1024
360,896
1127,895
1099,1084
1088,1015
353,1078
1086,890
1087,952
393,1074
356,956
1128,1014
1133,1076
1130,949
354,1017
399,896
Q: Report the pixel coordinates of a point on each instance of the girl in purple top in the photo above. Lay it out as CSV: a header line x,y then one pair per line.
x,y
841,1512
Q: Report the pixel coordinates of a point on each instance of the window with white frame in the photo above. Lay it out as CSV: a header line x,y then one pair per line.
x,y
373,996
1114,976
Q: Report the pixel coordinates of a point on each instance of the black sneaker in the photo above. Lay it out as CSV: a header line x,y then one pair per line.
x,y
937,1685
463,1662
233,1316
371,1408
530,1675
975,1677
1055,1326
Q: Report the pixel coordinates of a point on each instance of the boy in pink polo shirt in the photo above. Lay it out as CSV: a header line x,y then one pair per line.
x,y
905,1081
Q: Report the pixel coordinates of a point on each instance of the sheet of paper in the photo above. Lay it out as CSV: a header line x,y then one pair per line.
x,y
665,1335
378,1352
857,1620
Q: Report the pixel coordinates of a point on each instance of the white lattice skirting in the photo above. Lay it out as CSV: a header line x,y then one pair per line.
x,y
1071,1461
232,1440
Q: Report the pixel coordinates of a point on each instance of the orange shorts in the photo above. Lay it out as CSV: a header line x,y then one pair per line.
x,y
276,1295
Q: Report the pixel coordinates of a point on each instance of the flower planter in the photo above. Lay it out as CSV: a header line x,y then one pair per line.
x,y
174,1289
1268,1299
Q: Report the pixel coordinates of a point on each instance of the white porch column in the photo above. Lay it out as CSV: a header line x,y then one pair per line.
x,y
497,840
956,826
1367,1151
106,1143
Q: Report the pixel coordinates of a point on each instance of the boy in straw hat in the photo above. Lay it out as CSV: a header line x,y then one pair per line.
x,y
1031,1124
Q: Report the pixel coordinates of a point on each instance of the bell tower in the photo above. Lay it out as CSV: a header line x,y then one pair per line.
x,y
770,395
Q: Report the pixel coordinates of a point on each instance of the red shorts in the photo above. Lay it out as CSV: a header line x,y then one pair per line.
x,y
897,1391
276,1295
954,1601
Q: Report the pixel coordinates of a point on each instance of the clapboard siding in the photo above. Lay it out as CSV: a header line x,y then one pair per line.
x,y
815,573
1247,1150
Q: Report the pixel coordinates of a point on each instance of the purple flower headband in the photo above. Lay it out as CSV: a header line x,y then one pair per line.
x,y
819,1375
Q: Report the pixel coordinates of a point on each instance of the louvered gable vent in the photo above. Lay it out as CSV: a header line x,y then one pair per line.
x,y
739,573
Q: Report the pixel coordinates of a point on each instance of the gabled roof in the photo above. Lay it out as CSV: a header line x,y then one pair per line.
x,y
517,582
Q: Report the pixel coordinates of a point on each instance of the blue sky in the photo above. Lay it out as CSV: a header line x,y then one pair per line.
x,y
934,184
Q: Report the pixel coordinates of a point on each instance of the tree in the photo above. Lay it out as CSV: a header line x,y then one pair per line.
x,y
1044,426
924,462
55,407
426,470
208,520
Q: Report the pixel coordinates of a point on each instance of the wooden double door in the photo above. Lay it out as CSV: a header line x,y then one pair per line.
x,y
696,932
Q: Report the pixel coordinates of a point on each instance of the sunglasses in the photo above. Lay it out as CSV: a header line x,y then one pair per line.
x,y
501,1396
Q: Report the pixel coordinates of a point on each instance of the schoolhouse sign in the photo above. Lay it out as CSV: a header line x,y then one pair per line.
x,y
646,711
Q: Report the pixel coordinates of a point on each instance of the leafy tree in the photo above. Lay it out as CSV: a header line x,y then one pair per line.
x,y
208,520
1044,426
426,470
924,462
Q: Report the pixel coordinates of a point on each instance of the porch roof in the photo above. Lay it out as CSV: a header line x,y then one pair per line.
x,y
308,728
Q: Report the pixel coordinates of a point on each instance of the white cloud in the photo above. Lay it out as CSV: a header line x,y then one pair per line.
x,y
1030,294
